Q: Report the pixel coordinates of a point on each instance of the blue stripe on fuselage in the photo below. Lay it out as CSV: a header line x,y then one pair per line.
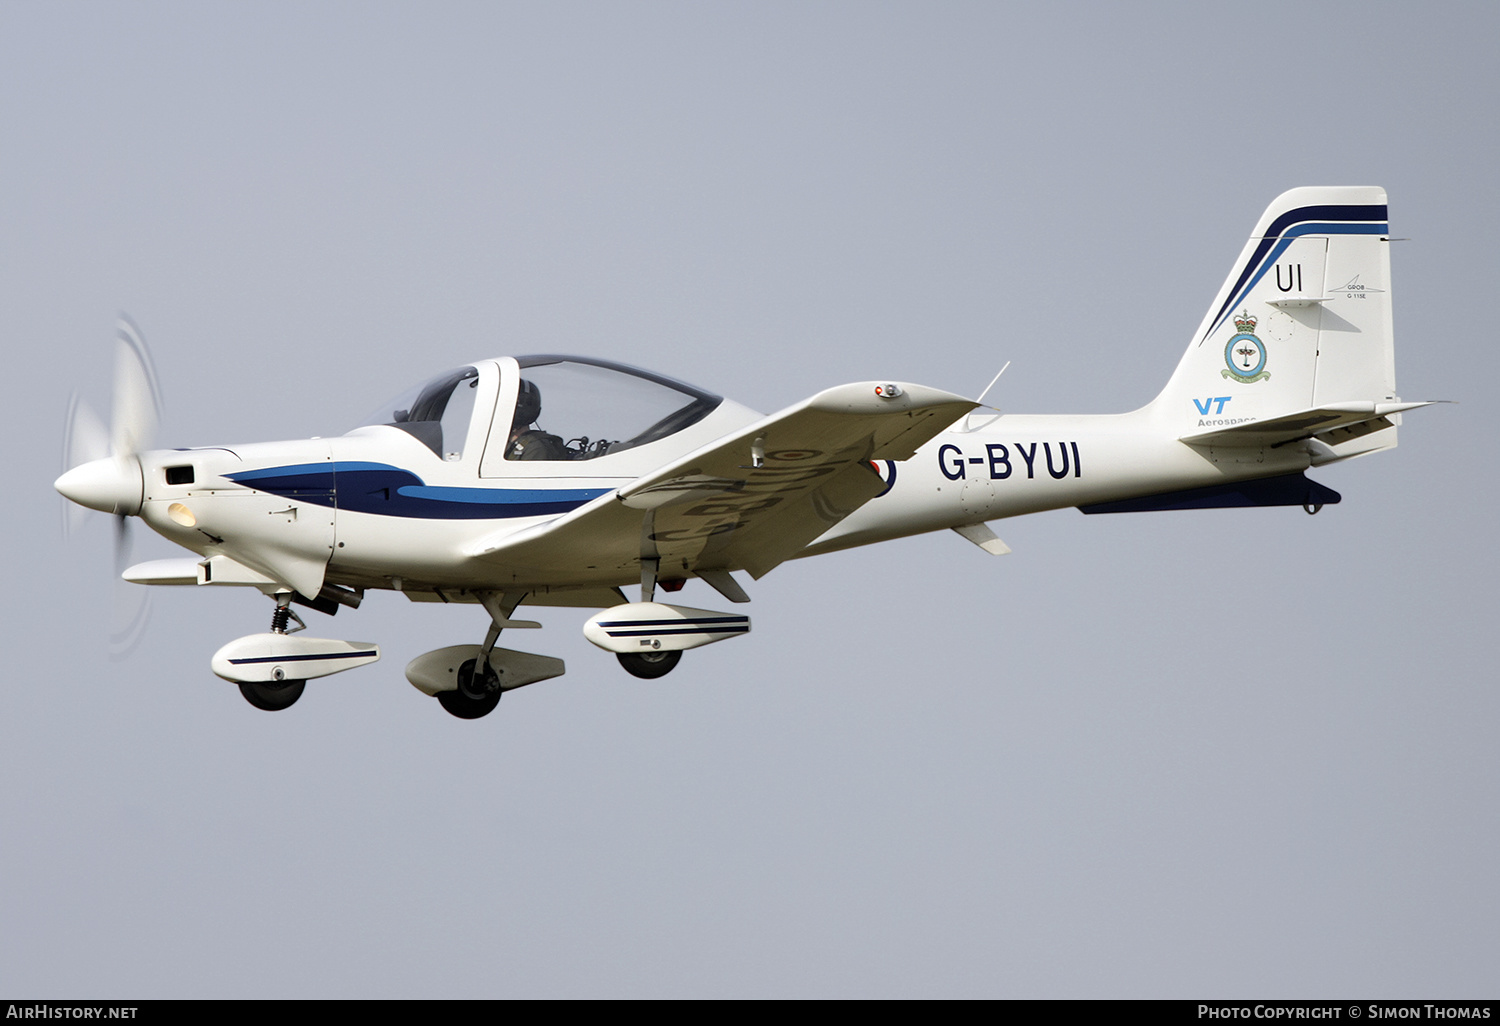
x,y
384,490
1336,219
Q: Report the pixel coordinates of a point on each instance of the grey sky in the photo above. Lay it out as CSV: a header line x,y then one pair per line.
x,y
1223,752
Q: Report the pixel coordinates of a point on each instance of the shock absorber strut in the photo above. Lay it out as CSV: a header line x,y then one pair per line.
x,y
284,614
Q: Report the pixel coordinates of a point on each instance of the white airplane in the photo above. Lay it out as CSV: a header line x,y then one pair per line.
x,y
557,480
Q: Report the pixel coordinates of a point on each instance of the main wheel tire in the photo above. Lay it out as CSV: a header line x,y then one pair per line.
x,y
648,665
472,699
273,695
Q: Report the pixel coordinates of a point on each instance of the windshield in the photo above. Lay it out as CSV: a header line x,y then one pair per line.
x,y
575,408
436,414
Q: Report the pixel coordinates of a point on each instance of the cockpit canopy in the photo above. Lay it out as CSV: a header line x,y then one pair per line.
x,y
566,408
434,413
574,408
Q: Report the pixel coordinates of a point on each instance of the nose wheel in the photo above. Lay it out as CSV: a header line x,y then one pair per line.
x,y
276,695
476,694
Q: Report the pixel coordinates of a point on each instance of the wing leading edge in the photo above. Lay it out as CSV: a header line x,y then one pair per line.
x,y
747,501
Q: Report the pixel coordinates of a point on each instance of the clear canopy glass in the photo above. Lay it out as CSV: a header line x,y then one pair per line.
x,y
577,408
437,413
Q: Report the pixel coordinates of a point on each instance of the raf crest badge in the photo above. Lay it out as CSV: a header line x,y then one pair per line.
x,y
1245,354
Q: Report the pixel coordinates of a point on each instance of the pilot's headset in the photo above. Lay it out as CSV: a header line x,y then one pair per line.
x,y
528,404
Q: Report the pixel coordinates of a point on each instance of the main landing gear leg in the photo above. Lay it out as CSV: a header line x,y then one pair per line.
x,y
649,567
478,690
648,665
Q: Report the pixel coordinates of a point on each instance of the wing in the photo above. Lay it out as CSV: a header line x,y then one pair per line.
x,y
747,501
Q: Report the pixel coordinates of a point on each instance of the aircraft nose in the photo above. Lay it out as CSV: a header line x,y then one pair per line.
x,y
109,485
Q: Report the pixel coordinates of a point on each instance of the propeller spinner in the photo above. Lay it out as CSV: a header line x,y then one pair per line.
x,y
111,481
104,463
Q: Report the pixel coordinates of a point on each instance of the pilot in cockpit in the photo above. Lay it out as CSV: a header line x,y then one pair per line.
x,y
527,441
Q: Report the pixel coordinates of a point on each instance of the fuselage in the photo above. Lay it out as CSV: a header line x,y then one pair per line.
x,y
990,466
377,508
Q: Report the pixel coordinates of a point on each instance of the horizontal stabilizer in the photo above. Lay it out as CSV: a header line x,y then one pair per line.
x,y
1311,423
1287,490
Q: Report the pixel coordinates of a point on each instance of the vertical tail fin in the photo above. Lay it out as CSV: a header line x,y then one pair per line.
x,y
1302,322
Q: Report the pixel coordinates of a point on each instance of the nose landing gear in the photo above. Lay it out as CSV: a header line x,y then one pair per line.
x,y
272,668
280,692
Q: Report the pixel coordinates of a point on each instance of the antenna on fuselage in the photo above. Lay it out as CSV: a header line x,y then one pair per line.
x,y
991,385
